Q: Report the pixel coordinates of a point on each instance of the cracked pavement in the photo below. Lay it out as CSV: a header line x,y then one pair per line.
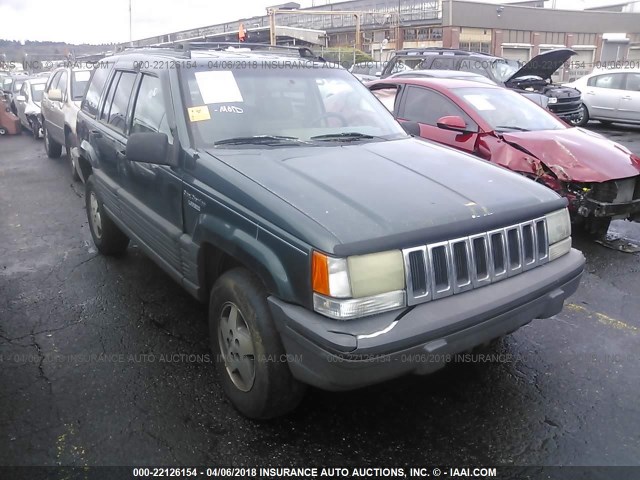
x,y
105,361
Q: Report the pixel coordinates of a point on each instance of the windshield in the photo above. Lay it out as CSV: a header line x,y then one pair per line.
x,y
36,91
503,70
302,101
508,111
79,83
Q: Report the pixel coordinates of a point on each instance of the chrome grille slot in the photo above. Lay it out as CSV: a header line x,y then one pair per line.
x,y
498,253
416,266
446,268
542,240
514,250
529,246
461,255
440,257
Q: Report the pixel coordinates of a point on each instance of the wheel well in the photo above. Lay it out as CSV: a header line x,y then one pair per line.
x,y
215,262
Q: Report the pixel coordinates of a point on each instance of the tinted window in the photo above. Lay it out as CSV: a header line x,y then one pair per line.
x,y
610,80
633,82
98,79
79,81
149,114
115,109
426,106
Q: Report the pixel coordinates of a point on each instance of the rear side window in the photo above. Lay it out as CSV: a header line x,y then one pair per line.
x,y
150,114
79,82
633,82
114,112
610,80
96,85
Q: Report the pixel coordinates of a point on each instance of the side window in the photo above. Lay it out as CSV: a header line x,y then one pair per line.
x,y
115,108
426,106
24,90
53,82
387,97
62,84
633,82
443,63
149,114
610,80
96,85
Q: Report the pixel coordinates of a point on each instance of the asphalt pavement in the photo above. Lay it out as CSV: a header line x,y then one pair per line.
x,y
105,361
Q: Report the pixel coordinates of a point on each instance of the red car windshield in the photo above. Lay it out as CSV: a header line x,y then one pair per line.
x,y
508,111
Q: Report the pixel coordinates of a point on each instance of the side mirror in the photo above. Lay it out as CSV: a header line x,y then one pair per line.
x,y
55,95
21,98
412,128
453,122
148,148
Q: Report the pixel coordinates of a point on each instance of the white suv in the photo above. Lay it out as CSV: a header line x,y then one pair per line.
x,y
60,106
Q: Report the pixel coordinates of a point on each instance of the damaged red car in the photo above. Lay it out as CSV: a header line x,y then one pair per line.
x,y
600,178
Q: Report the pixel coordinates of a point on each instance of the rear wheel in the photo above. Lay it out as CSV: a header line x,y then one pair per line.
x,y
108,238
3,131
53,148
250,358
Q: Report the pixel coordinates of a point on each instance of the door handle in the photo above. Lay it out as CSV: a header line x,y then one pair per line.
x,y
626,98
591,93
95,133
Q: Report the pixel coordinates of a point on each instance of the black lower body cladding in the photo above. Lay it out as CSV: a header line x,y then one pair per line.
x,y
351,354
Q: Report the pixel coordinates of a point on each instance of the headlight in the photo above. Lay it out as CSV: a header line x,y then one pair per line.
x,y
357,286
558,232
553,100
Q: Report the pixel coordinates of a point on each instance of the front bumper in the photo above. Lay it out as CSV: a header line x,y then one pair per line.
x,y
344,355
605,209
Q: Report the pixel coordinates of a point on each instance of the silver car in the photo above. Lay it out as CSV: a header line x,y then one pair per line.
x,y
28,101
610,95
60,106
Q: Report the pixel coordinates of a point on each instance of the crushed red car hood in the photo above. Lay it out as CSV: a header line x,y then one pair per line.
x,y
578,155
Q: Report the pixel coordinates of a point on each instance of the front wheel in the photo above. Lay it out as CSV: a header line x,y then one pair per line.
x,y
108,238
53,148
583,117
250,358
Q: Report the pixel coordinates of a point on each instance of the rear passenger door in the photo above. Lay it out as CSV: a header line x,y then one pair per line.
x,y
629,105
603,93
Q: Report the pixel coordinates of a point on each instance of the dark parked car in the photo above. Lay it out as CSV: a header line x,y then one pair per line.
x,y
599,177
333,249
534,76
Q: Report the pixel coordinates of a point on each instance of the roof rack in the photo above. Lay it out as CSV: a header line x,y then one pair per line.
x,y
304,52
451,51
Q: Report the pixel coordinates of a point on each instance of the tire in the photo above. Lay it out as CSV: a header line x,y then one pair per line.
x,y
583,119
3,131
108,238
250,358
67,146
53,149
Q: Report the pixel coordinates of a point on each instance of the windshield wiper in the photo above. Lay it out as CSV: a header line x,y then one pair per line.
x,y
346,136
510,127
260,140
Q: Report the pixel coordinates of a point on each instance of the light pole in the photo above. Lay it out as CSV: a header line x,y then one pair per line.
x,y
130,34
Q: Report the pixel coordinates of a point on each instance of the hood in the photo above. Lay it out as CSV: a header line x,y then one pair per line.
x,y
545,64
384,195
578,155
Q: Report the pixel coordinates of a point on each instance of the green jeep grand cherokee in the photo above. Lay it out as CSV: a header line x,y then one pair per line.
x,y
333,248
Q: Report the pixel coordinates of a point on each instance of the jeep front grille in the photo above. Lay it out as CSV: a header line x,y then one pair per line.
x,y
446,268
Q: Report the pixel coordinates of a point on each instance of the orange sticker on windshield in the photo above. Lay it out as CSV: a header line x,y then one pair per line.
x,y
198,114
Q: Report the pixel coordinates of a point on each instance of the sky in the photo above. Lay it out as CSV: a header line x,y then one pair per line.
x,y
107,21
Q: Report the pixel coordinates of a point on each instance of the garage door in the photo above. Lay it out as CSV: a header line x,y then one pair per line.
x,y
520,54
581,64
